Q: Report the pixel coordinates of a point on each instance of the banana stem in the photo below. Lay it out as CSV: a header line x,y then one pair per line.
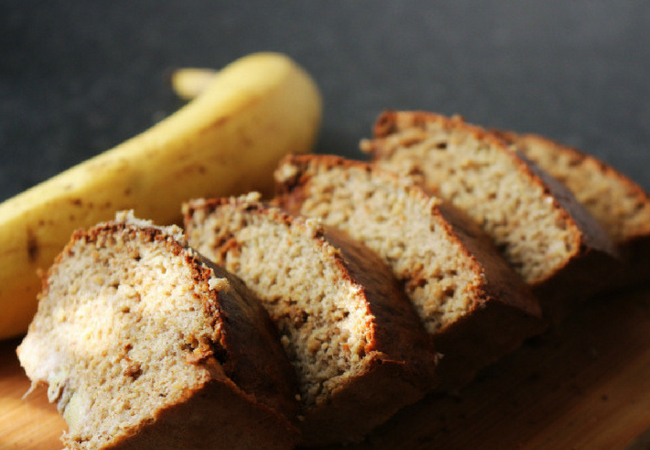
x,y
189,82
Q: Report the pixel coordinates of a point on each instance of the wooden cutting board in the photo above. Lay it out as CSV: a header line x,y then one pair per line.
x,y
585,385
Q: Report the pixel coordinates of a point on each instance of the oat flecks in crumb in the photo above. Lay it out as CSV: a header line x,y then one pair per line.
x,y
286,172
404,227
219,284
320,313
251,197
619,204
115,358
173,231
480,176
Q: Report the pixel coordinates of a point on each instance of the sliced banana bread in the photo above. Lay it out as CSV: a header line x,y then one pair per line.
x,y
542,231
621,206
358,347
476,307
144,345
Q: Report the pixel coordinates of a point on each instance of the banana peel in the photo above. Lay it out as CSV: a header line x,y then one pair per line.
x,y
189,82
226,141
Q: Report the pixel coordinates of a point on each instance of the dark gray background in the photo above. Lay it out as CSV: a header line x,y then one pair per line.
x,y
77,78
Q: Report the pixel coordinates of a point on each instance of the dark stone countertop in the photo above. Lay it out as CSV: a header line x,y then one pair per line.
x,y
77,78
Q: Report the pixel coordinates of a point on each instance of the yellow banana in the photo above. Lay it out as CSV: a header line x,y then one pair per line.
x,y
226,141
189,82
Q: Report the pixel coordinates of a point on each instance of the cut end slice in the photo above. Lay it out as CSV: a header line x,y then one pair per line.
x,y
129,328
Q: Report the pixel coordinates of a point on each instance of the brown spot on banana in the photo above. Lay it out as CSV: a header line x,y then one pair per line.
x,y
33,247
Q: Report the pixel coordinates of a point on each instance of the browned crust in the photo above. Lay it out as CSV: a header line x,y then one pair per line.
x,y
634,246
403,359
502,283
397,334
242,423
254,359
384,300
504,305
632,188
508,314
369,400
588,234
245,346
402,368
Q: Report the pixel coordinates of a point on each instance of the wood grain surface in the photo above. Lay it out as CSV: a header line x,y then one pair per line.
x,y
585,385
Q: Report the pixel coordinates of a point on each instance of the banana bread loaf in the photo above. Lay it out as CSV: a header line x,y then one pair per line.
x,y
621,206
144,345
542,231
475,306
357,345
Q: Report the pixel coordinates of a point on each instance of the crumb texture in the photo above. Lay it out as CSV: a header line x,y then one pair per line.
x,y
403,226
480,175
118,334
321,314
619,204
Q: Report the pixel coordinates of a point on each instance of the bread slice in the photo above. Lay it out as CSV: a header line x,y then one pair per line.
x,y
357,345
543,232
475,306
620,205
144,345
